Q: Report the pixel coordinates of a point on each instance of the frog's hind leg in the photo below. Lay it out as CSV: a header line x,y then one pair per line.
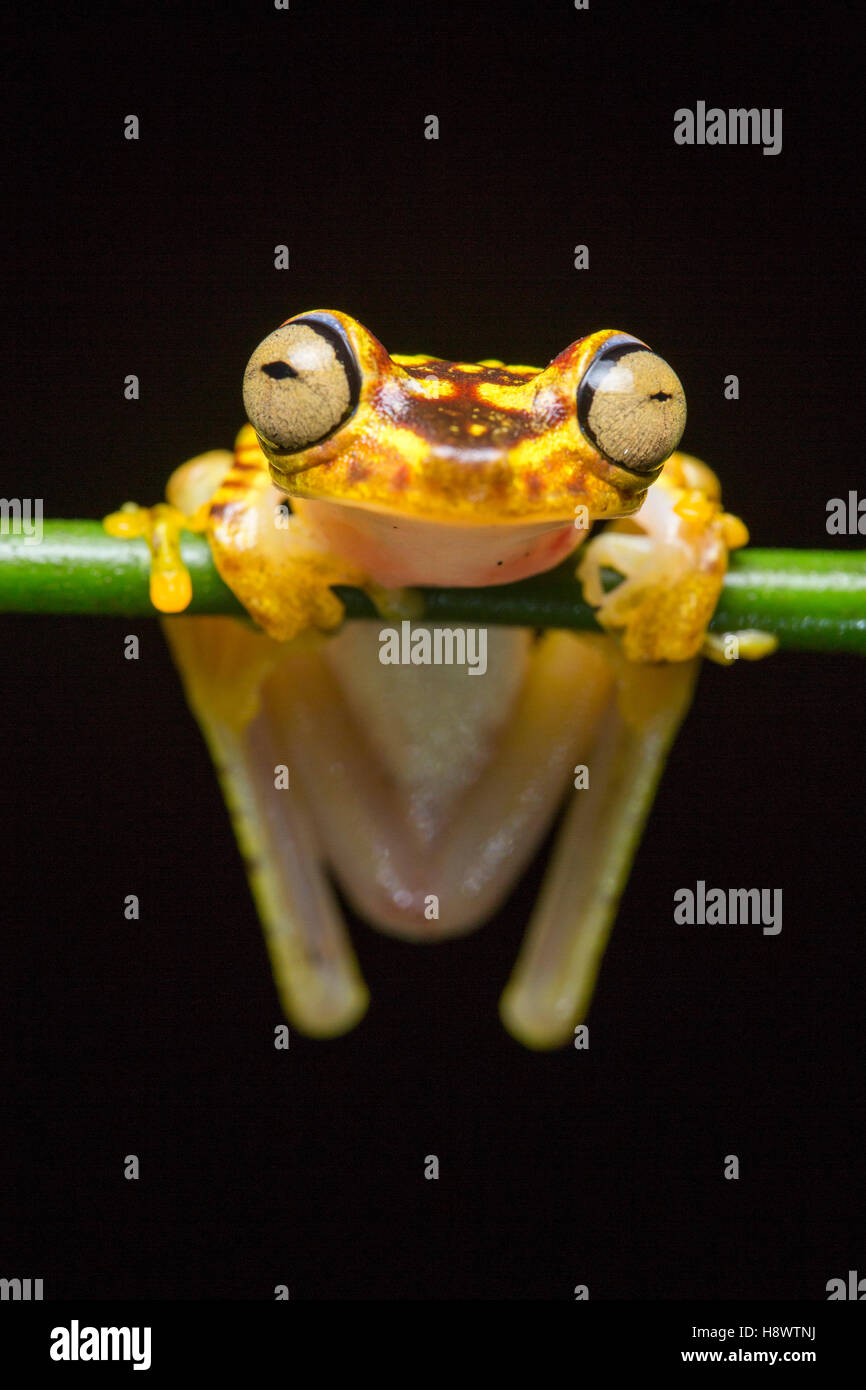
x,y
224,666
553,980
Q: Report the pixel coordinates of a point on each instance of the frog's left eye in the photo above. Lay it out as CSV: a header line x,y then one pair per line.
x,y
301,384
631,405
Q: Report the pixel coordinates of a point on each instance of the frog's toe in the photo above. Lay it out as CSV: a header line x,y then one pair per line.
x,y
189,491
747,644
629,555
160,527
395,605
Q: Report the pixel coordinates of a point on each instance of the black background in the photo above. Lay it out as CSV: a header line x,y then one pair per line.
x,y
156,1038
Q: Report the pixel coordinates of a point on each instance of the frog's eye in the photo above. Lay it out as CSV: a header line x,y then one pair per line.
x,y
301,384
632,406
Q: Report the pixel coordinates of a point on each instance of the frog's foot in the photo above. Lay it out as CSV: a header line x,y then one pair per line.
x,y
279,568
673,556
189,491
395,605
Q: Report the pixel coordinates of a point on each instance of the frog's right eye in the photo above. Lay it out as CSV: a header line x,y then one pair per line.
x,y
631,405
301,384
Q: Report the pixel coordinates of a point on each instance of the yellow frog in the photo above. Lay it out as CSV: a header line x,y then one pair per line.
x,y
423,791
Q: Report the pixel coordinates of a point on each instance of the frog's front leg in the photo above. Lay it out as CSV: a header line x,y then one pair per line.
x,y
279,569
281,572
673,556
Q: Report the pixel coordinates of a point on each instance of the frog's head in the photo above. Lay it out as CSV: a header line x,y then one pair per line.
x,y
340,420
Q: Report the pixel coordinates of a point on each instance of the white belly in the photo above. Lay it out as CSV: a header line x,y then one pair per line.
x,y
396,551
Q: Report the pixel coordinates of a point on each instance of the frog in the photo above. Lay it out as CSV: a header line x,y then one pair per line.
x,y
423,795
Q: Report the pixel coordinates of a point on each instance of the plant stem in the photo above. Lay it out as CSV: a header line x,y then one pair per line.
x,y
812,600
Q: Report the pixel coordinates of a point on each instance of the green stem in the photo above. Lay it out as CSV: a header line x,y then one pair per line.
x,y
813,600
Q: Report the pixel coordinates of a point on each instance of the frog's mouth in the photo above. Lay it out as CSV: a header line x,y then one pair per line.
x,y
484,486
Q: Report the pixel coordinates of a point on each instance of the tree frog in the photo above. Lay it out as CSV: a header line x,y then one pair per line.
x,y
423,792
